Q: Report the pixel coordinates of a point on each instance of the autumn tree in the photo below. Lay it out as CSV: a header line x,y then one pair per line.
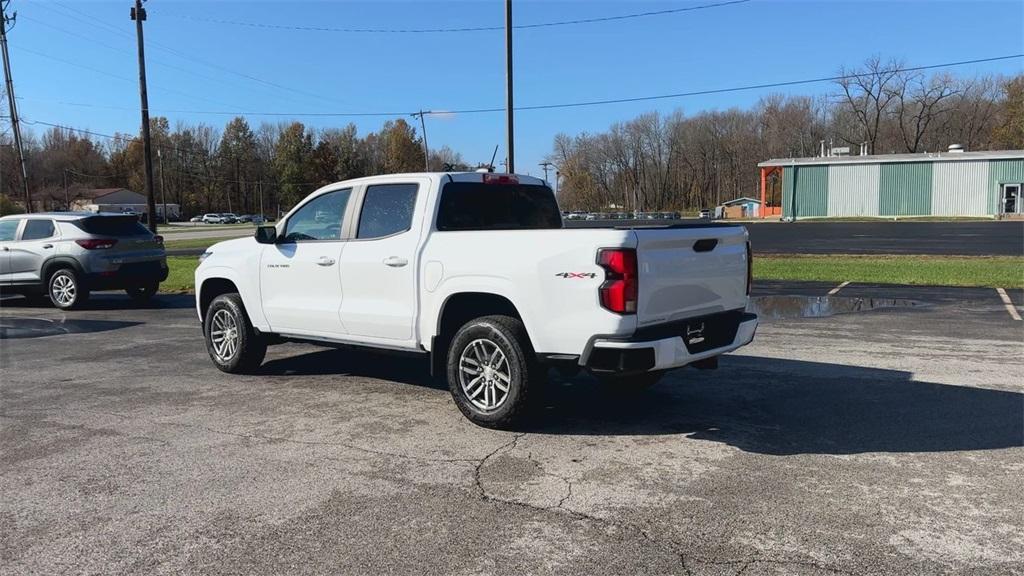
x,y
293,162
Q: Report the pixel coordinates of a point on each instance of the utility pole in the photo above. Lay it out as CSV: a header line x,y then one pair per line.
x,y
558,174
163,188
426,151
139,16
511,166
261,197
546,166
67,198
15,126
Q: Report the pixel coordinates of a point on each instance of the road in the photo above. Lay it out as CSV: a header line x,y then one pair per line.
x,y
933,238
885,442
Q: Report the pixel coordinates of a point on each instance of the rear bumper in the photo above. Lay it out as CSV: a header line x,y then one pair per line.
x,y
127,275
672,346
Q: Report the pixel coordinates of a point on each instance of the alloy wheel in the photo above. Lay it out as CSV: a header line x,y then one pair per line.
x,y
484,374
224,335
63,289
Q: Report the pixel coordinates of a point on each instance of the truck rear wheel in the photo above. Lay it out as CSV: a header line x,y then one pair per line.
x,y
491,367
232,342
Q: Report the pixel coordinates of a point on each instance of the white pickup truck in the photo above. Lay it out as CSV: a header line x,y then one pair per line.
x,y
476,270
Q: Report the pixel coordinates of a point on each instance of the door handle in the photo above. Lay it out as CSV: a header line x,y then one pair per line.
x,y
395,261
47,245
325,261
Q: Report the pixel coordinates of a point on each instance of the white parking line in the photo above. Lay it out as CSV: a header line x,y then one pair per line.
x,y
836,290
1008,304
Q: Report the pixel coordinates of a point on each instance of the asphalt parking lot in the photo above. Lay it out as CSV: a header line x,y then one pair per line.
x,y
879,442
971,238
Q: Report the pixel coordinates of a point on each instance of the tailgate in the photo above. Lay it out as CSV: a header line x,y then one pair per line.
x,y
689,272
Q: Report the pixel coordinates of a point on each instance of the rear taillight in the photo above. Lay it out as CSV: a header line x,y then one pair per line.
x,y
750,268
97,243
159,240
619,290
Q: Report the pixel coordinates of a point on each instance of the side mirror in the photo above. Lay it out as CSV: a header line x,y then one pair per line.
x,y
266,234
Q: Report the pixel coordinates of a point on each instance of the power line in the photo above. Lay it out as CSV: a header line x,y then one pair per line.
x,y
115,76
781,84
459,29
94,22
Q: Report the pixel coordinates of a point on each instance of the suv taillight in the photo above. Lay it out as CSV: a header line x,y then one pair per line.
x,y
750,267
97,243
619,290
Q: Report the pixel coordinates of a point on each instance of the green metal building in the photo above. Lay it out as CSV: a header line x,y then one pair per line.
x,y
953,183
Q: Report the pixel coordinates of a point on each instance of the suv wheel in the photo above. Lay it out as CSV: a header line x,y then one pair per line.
x,y
65,289
144,292
232,342
491,367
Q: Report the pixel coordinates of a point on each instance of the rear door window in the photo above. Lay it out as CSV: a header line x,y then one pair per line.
x,y
387,210
479,206
37,229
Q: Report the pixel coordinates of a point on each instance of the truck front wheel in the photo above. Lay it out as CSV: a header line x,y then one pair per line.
x,y
491,367
232,342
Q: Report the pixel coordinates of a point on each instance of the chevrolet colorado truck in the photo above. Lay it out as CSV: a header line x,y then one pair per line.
x,y
476,271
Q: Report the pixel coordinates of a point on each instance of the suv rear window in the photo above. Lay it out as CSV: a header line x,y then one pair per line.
x,y
112,226
479,206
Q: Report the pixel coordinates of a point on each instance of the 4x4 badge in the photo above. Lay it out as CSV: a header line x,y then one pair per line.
x,y
577,274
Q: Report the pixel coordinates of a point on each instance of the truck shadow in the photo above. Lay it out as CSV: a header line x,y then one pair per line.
x,y
768,406
785,407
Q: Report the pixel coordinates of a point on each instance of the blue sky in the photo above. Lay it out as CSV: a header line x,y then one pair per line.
x,y
67,53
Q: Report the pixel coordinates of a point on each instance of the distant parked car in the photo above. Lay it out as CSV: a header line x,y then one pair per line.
x,y
705,213
244,218
196,219
67,255
228,218
211,218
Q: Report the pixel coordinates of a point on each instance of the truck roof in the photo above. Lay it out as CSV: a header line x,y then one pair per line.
x,y
455,177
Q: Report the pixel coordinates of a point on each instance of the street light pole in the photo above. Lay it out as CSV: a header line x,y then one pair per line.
x,y
511,167
139,15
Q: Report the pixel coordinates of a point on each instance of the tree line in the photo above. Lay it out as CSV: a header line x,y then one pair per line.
x,y
678,162
654,162
206,169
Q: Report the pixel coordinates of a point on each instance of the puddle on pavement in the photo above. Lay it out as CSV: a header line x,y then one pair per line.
x,y
822,306
12,327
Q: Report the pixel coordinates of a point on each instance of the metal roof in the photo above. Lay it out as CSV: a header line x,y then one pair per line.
x,y
888,158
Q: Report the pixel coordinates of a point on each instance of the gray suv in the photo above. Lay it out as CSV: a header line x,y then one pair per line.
x,y
65,255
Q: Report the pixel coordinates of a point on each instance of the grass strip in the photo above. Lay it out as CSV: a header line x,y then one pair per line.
x,y
994,271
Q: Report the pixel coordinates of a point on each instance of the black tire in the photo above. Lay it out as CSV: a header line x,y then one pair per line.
x,y
508,335
631,383
65,289
249,348
144,292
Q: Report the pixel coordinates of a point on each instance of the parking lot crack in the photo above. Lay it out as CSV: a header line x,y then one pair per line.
x,y
268,438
